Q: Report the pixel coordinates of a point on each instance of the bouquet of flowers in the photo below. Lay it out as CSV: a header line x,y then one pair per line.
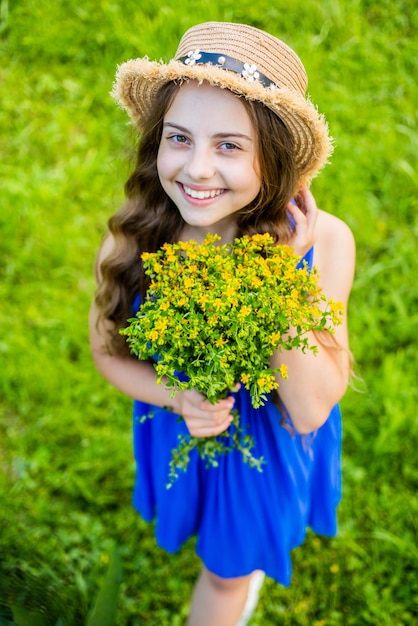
x,y
217,313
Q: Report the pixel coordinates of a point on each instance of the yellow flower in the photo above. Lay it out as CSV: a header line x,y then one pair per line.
x,y
245,311
203,299
283,371
316,311
267,382
210,239
161,325
336,307
245,378
213,320
256,282
274,338
262,238
220,342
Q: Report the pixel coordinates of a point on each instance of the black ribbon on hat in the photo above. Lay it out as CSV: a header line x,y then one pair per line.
x,y
248,71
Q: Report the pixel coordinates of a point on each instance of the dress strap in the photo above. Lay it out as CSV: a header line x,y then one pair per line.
x,y
136,304
308,259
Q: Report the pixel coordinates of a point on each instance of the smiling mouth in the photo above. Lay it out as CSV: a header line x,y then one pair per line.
x,y
202,195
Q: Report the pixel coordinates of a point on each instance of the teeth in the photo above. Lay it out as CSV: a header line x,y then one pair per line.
x,y
202,195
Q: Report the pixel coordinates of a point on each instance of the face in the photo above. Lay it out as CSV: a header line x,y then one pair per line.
x,y
207,159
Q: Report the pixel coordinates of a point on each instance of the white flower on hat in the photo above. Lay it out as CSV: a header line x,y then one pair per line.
x,y
193,56
250,72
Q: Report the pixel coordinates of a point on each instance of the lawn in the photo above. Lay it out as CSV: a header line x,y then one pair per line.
x,y
72,550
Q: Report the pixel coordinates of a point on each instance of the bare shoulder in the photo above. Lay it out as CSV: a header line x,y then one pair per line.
x,y
107,246
335,254
333,231
104,252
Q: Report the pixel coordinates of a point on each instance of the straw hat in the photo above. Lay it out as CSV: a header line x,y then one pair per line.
x,y
245,60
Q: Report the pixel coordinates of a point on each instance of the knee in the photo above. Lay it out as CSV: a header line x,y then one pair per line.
x,y
227,585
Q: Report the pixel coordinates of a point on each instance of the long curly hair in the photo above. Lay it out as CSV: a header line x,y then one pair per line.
x,y
149,218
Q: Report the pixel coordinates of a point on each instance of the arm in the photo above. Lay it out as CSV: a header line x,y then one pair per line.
x,y
137,379
317,382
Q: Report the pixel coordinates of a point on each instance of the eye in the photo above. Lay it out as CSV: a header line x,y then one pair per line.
x,y
228,146
182,139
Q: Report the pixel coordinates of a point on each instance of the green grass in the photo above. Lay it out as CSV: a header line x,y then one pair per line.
x,y
66,469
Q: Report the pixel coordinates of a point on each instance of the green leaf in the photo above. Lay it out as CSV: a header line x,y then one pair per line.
x,y
23,617
104,611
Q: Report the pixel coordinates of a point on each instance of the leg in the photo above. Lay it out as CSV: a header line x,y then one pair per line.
x,y
218,601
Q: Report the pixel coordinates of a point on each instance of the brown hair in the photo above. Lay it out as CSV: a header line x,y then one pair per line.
x,y
149,218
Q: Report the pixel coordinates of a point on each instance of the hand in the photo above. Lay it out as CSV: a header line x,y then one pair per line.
x,y
202,418
305,215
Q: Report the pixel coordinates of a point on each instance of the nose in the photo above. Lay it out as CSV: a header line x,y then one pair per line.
x,y
200,164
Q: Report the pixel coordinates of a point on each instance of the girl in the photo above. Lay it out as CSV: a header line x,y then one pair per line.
x,y
227,140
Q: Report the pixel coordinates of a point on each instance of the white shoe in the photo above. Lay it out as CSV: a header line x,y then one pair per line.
x,y
256,582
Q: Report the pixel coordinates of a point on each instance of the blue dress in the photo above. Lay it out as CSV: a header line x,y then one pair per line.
x,y
243,519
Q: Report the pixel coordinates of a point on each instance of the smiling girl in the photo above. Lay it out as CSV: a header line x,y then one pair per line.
x,y
207,163
227,140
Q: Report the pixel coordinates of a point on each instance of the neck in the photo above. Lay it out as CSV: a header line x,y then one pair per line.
x,y
228,232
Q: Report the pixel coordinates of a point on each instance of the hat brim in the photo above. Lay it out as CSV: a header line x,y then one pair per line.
x,y
138,81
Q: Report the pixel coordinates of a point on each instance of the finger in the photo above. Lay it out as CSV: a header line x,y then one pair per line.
x,y
296,217
306,202
222,405
294,205
298,222
209,430
207,415
213,418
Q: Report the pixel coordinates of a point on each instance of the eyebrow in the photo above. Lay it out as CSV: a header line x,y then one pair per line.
x,y
216,136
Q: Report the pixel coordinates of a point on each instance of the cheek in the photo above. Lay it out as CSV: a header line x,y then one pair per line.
x,y
160,161
256,179
249,179
168,163
257,170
